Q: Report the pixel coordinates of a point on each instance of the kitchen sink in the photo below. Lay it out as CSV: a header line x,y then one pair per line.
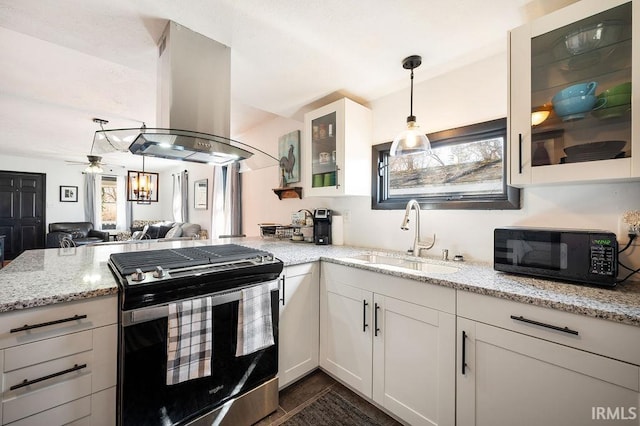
x,y
400,263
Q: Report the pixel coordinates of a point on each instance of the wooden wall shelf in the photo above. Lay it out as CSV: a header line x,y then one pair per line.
x,y
290,192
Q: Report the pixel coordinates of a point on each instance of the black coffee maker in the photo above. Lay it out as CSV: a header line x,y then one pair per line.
x,y
322,226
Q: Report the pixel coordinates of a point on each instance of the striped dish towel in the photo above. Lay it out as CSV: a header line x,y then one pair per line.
x,y
255,328
189,340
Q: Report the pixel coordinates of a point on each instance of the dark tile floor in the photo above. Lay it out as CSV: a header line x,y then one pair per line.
x,y
301,394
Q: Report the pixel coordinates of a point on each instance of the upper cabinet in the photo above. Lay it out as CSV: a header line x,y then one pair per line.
x,y
337,150
573,94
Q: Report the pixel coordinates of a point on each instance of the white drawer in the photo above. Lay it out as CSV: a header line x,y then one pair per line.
x,y
420,293
44,350
99,312
26,403
60,415
103,410
608,338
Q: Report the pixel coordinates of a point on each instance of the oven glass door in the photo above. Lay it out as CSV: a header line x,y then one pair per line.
x,y
144,397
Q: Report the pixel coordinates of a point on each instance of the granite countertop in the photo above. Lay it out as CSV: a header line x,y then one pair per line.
x,y
43,277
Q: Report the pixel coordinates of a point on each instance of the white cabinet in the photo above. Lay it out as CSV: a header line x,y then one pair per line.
x,y
299,327
392,340
584,50
59,364
337,150
520,364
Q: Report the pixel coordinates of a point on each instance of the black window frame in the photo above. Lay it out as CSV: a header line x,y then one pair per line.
x,y
509,199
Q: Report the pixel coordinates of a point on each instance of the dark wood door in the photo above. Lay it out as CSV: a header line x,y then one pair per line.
x,y
22,211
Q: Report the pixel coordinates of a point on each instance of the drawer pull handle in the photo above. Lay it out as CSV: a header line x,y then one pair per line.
x,y
44,324
26,382
541,324
364,316
464,352
283,282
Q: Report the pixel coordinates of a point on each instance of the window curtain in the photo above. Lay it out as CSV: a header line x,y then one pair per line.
x,y
180,197
226,205
92,199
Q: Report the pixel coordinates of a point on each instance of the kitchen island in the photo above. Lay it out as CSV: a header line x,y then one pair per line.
x,y
49,276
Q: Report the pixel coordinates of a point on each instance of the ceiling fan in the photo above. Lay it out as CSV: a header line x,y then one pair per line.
x,y
94,164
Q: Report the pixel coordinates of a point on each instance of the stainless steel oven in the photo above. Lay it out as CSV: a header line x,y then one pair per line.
x,y
240,389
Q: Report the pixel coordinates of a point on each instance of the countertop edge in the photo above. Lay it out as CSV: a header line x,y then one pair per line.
x,y
62,298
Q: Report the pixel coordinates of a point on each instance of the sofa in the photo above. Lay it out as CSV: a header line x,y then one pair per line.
x,y
157,229
79,233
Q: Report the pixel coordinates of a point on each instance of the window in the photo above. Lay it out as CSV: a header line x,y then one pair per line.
x,y
467,171
108,202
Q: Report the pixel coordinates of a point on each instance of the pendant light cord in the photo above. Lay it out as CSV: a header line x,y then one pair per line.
x,y
411,97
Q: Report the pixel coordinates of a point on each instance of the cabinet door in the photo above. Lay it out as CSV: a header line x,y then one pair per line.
x,y
345,334
414,361
510,378
299,323
337,145
571,97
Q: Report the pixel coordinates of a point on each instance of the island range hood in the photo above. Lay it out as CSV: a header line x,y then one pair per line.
x,y
193,112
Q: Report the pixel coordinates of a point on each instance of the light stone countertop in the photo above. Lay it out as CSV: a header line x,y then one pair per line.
x,y
43,277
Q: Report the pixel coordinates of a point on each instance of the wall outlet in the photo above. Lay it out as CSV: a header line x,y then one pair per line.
x,y
624,230
346,216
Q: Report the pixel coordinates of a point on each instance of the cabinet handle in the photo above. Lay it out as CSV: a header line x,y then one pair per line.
x,y
337,177
464,352
375,319
542,324
44,324
520,153
26,382
364,316
282,279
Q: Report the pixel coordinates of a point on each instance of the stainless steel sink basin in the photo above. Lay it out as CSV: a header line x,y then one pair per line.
x,y
400,263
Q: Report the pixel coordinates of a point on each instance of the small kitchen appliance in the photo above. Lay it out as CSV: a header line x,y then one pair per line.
x,y
582,256
322,226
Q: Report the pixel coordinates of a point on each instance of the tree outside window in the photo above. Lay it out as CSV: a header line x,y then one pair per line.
x,y
109,200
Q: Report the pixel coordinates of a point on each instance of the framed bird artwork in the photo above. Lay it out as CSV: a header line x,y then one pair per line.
x,y
289,153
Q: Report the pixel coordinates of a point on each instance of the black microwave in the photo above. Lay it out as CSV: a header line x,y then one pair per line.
x,y
583,256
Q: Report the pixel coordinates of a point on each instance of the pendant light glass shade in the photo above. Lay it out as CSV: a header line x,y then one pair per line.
x,y
412,140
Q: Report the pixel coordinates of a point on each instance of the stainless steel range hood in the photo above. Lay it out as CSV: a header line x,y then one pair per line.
x,y
193,112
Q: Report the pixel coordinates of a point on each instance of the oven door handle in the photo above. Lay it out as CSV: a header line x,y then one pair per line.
x,y
137,316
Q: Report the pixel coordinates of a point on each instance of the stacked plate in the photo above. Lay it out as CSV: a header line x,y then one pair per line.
x,y
603,150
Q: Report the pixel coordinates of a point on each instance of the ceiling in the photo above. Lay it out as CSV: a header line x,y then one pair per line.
x,y
65,62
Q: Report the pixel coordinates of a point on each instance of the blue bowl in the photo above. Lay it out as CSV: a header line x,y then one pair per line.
x,y
575,108
582,89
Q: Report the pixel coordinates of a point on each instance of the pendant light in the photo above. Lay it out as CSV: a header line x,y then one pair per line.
x,y
411,141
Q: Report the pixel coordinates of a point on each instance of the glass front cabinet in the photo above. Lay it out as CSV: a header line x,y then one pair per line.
x,y
337,150
573,95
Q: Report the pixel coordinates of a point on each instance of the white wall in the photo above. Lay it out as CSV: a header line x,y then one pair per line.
x,y
260,203
473,94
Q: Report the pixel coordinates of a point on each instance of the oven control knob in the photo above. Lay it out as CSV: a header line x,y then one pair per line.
x,y
159,272
138,275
